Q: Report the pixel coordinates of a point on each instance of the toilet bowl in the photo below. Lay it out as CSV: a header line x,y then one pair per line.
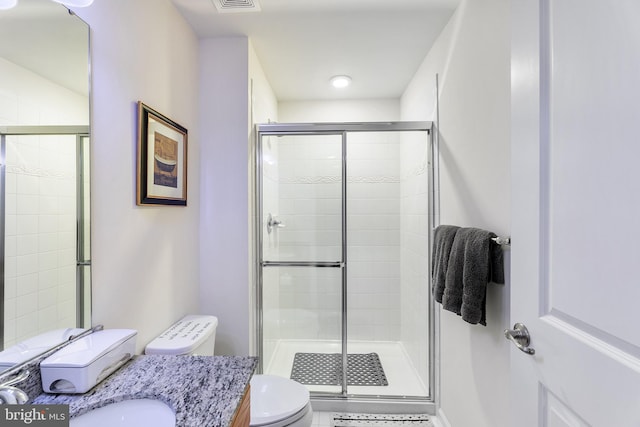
x,y
279,402
275,401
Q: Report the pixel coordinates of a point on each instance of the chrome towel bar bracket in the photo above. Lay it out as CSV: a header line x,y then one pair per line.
x,y
506,241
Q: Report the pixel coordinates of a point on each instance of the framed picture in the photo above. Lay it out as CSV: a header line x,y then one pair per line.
x,y
162,159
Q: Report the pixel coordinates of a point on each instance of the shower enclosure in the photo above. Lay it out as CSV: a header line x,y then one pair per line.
x,y
343,220
44,223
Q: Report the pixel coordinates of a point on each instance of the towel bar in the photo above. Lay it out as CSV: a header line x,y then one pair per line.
x,y
502,240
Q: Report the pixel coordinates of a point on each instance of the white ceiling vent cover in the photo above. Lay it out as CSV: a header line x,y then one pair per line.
x,y
236,6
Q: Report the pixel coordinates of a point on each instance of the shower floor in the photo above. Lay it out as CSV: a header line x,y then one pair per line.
x,y
401,374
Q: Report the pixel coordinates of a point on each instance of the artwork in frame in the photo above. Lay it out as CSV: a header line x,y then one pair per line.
x,y
162,159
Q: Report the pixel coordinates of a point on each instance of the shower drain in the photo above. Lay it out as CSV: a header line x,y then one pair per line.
x,y
326,369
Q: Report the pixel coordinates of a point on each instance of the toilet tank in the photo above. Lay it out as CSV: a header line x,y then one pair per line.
x,y
193,334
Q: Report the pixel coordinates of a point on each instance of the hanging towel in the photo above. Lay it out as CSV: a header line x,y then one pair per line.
x,y
475,260
442,241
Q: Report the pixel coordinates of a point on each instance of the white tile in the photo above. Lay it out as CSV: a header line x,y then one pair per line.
x,y
47,260
11,206
27,184
9,307
48,317
28,154
10,286
10,332
67,240
10,267
26,264
27,284
322,419
67,258
25,224
67,223
49,205
27,244
26,304
26,326
67,291
27,204
47,279
48,223
67,205
48,186
11,182
47,298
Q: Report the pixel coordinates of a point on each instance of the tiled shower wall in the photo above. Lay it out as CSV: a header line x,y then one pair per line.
x,y
40,242
311,208
414,246
387,240
40,206
373,200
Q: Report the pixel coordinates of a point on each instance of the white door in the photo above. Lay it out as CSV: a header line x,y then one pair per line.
x,y
576,212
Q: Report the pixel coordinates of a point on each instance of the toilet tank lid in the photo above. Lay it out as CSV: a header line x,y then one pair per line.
x,y
184,336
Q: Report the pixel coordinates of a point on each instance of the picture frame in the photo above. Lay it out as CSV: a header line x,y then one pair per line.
x,y
162,159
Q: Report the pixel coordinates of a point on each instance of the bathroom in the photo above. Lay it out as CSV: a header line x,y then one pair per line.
x,y
201,257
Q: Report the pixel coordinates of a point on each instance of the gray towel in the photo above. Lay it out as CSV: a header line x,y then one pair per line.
x,y
475,260
442,241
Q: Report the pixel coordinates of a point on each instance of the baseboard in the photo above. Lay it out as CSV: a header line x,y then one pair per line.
x,y
441,420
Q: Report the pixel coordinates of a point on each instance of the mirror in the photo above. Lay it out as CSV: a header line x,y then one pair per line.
x,y
45,253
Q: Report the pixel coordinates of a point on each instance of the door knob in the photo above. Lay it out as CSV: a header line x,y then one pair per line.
x,y
519,335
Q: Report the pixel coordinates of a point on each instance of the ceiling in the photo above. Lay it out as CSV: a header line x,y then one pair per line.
x,y
43,37
301,44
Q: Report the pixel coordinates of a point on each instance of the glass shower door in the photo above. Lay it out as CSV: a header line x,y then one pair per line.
x,y
45,241
301,258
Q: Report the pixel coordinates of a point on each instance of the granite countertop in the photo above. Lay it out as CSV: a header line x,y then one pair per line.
x,y
203,391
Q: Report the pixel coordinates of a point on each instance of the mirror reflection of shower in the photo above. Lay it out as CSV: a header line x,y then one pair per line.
x,y
45,210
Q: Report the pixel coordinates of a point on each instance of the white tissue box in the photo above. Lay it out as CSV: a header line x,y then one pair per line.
x,y
78,367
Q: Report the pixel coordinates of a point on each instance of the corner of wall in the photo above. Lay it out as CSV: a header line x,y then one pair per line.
x,y
472,58
224,208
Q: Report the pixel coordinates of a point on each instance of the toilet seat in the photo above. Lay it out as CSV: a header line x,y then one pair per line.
x,y
277,401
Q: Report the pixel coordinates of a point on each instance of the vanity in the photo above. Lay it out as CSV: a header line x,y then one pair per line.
x,y
203,391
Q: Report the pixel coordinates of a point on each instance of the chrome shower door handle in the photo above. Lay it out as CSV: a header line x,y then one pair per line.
x,y
273,223
519,335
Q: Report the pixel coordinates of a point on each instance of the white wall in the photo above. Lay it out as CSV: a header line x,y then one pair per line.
x,y
145,259
224,232
357,110
472,56
28,99
233,91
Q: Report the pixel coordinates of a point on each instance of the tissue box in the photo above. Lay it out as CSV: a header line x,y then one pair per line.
x,y
80,366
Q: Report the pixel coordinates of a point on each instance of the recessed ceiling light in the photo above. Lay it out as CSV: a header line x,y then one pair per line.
x,y
340,82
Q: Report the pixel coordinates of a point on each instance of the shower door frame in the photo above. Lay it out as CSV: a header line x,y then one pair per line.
x,y
81,133
327,400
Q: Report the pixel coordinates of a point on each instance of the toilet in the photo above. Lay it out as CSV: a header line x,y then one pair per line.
x,y
275,401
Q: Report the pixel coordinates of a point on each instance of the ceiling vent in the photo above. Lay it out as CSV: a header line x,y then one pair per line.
x,y
236,6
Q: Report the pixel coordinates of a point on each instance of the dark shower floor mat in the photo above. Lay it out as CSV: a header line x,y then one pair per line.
x,y
326,369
